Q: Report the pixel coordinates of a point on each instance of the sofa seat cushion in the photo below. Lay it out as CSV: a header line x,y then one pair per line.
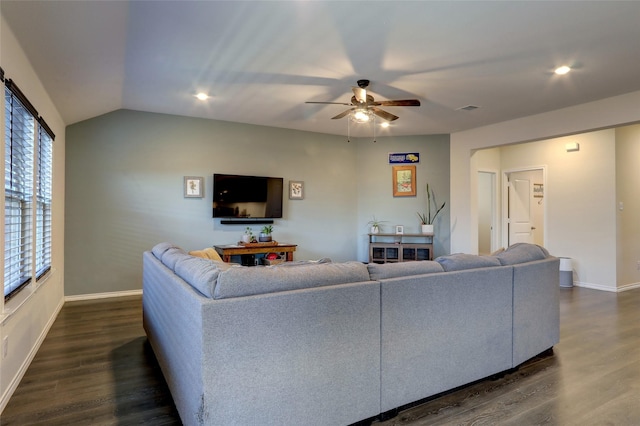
x,y
521,253
247,281
401,269
462,261
201,274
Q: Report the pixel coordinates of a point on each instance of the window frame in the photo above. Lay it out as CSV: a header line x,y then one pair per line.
x,y
27,192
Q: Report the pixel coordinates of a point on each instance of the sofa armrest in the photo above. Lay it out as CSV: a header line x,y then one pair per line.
x,y
536,308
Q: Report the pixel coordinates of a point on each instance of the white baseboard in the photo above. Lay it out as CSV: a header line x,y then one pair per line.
x,y
625,287
103,295
595,286
628,287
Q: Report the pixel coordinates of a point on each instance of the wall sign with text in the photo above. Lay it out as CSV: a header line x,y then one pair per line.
x,y
404,157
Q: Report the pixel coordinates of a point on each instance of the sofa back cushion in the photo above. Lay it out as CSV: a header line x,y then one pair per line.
x,y
521,253
247,281
201,273
462,261
173,256
159,249
392,270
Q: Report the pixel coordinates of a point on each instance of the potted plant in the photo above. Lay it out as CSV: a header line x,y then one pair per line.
x,y
375,225
426,220
265,234
248,235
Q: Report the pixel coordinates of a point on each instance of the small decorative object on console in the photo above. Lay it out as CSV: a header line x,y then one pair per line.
x,y
375,225
265,234
248,236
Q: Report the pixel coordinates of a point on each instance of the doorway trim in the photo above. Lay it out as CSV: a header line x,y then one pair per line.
x,y
505,200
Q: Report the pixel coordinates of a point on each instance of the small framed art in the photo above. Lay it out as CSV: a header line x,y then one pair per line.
x,y
538,190
296,190
404,181
399,229
193,187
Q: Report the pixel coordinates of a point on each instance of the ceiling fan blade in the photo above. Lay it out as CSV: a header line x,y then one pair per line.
x,y
404,102
384,114
360,94
328,103
343,114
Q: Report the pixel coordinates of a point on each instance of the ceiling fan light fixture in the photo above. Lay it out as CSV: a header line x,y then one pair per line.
x,y
562,70
361,116
202,96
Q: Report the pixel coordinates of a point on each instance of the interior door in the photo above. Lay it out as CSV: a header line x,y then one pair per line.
x,y
520,223
486,212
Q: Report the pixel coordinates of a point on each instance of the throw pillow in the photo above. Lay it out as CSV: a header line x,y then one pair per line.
x,y
207,253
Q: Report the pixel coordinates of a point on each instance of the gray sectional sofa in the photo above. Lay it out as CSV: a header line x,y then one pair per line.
x,y
319,343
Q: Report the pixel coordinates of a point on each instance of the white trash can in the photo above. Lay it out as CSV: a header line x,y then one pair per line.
x,y
566,272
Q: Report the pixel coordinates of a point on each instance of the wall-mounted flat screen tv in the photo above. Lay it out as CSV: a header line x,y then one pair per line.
x,y
252,197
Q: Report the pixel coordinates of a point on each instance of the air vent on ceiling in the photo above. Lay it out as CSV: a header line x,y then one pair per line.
x,y
468,108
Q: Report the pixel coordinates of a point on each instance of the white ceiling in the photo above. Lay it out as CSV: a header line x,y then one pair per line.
x,y
261,60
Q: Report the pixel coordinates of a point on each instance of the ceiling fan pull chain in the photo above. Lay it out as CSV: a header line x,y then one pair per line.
x,y
374,129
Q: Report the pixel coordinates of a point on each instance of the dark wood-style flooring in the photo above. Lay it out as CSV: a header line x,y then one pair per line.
x,y
96,368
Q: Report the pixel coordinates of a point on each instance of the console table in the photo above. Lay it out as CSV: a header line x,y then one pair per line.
x,y
385,248
226,251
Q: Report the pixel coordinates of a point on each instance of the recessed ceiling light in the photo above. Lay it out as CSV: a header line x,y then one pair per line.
x,y
562,70
202,96
384,124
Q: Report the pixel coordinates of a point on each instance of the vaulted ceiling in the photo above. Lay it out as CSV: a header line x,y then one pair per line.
x,y
262,60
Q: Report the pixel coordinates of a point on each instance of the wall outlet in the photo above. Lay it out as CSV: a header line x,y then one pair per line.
x,y
5,347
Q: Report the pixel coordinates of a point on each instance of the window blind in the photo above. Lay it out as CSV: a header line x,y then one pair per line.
x,y
43,199
18,191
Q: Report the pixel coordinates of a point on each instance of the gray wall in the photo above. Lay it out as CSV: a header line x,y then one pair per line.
x,y
375,189
124,190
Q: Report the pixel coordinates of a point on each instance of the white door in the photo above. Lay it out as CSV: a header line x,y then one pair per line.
x,y
520,197
486,212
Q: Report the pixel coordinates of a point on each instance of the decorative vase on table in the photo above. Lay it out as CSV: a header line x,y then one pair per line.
x,y
427,229
265,234
264,238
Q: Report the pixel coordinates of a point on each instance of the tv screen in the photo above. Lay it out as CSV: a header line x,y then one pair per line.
x,y
255,197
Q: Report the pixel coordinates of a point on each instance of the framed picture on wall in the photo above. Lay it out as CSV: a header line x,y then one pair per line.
x,y
399,229
538,190
404,181
296,190
193,187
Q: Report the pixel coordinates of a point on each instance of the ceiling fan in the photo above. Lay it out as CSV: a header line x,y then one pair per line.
x,y
364,105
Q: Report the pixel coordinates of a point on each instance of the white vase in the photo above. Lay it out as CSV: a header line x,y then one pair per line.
x,y
427,229
246,238
375,229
